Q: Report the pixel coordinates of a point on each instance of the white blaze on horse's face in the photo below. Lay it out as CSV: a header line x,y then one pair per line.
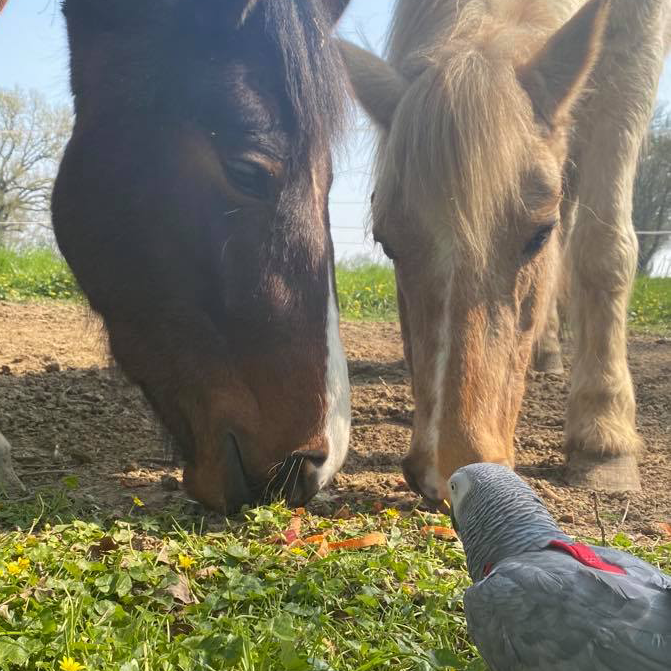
x,y
467,199
428,353
338,413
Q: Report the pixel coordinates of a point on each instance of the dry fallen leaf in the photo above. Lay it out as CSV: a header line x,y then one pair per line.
x,y
207,572
322,551
666,528
343,513
39,592
324,548
181,591
440,532
106,545
369,540
289,536
163,556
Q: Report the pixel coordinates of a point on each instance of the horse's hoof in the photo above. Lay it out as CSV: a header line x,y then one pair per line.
x,y
549,362
607,473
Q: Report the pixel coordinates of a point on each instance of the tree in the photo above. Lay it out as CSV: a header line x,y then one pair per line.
x,y
652,190
33,134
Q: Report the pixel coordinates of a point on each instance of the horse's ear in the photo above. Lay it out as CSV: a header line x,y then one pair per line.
x,y
334,8
377,86
556,77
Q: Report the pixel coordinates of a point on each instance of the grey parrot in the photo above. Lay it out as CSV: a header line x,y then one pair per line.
x,y
541,602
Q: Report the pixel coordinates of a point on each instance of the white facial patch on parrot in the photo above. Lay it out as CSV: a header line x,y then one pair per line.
x,y
459,485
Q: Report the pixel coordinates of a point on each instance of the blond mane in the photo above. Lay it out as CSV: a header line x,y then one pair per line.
x,y
462,141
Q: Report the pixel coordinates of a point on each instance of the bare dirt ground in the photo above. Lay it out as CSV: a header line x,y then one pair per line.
x,y
68,412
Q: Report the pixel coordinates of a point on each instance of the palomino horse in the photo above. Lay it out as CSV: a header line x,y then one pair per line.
x,y
499,119
191,205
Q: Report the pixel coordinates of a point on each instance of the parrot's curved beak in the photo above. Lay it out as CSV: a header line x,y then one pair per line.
x,y
447,509
455,526
443,507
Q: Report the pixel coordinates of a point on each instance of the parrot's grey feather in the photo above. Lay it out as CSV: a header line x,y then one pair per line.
x,y
634,566
546,611
497,501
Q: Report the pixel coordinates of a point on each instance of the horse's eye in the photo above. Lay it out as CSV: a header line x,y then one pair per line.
x,y
249,178
539,240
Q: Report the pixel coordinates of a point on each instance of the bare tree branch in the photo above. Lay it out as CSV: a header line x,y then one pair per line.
x,y
33,134
652,189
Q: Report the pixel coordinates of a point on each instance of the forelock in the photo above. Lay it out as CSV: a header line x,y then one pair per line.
x,y
313,70
462,139
460,145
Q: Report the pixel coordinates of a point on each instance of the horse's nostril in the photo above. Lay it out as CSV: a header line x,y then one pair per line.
x,y
314,457
298,480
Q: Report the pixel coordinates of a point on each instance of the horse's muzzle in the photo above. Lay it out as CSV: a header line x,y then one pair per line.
x,y
298,479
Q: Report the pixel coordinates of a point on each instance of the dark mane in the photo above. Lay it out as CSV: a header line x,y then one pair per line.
x,y
314,71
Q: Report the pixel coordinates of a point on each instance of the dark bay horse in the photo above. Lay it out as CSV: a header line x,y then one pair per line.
x,y
191,205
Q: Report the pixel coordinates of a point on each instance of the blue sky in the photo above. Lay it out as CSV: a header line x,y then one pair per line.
x,y
33,54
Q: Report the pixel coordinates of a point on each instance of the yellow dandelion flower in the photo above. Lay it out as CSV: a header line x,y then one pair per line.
x,y
13,568
19,549
31,541
23,563
69,664
391,512
186,562
138,502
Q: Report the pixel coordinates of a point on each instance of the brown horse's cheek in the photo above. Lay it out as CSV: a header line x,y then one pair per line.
x,y
202,485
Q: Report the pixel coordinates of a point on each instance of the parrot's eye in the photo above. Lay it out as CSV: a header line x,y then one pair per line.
x,y
452,486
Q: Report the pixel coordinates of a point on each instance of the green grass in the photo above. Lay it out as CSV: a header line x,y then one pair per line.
x,y
167,595
650,307
366,290
35,273
181,592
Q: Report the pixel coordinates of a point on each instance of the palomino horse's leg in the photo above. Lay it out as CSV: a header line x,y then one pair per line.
x,y
548,349
10,484
601,439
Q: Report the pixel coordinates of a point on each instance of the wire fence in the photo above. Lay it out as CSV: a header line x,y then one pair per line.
x,y
364,245
661,266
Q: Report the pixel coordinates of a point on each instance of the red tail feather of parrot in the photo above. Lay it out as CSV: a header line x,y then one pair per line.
x,y
586,556
581,553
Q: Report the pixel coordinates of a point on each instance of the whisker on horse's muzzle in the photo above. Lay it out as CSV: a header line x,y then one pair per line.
x,y
296,480
223,481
